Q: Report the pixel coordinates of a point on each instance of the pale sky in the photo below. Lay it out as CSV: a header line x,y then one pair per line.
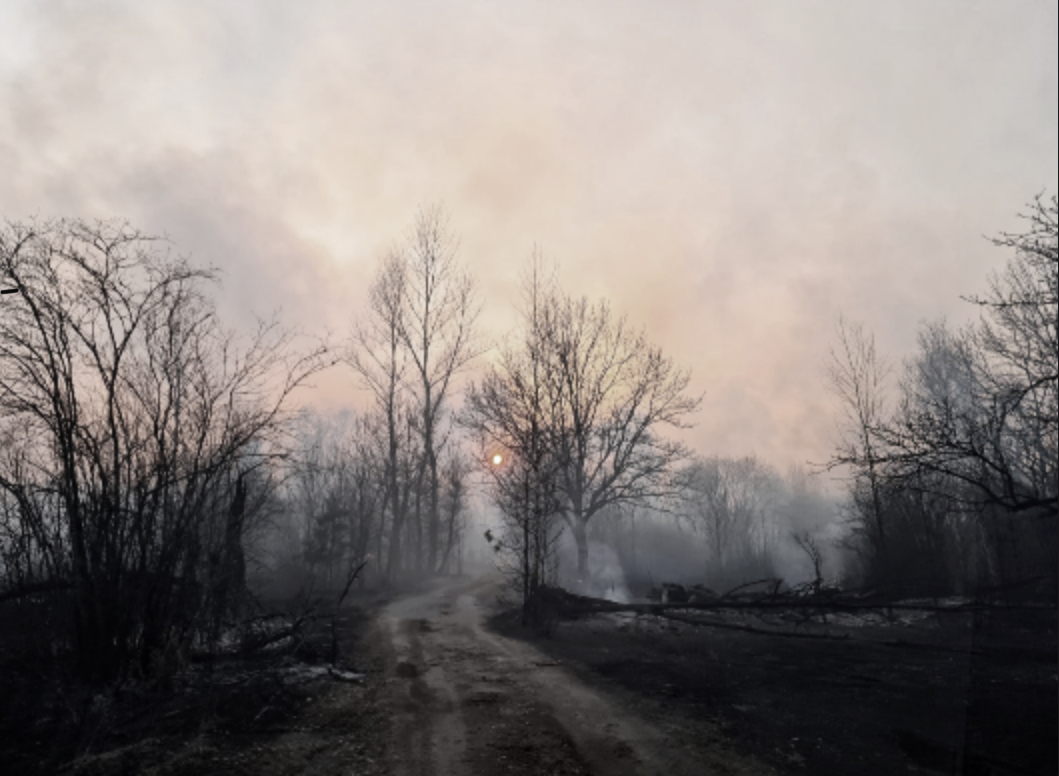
x,y
731,175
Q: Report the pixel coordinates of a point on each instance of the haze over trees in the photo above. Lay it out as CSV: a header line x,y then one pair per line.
x,y
507,412
157,482
733,504
418,335
579,402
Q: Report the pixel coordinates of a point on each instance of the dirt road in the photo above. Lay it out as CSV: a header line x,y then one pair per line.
x,y
467,702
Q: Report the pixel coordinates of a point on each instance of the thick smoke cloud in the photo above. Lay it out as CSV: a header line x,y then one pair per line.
x,y
732,176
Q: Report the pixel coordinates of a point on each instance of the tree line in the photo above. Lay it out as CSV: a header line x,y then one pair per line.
x,y
152,460
954,466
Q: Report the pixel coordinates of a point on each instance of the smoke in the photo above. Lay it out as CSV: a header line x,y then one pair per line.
x,y
806,509
606,575
793,565
291,147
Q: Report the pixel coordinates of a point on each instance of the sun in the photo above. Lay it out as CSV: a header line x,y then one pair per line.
x,y
497,459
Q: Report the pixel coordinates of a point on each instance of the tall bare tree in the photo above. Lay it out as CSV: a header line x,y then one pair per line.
x,y
418,337
508,409
437,329
378,355
611,393
604,396
858,377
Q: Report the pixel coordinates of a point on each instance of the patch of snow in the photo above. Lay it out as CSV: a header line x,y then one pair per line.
x,y
304,673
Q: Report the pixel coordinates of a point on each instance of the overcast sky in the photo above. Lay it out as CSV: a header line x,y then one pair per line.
x,y
731,175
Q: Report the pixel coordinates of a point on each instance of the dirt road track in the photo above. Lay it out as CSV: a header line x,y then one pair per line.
x,y
468,702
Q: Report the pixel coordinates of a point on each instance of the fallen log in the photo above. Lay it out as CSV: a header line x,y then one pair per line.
x,y
565,605
751,629
571,604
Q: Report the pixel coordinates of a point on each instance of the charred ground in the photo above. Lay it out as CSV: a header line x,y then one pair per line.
x,y
971,692
281,710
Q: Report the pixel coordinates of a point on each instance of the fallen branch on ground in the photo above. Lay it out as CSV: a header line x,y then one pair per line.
x,y
571,604
751,629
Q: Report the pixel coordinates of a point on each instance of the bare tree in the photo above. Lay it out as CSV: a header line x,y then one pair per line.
x,y
456,469
602,394
528,543
378,355
136,417
611,393
439,311
858,378
508,411
808,544
418,336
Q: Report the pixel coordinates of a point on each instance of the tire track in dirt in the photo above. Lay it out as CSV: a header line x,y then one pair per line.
x,y
468,702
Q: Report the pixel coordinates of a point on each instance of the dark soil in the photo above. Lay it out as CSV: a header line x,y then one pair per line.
x,y
973,694
260,716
